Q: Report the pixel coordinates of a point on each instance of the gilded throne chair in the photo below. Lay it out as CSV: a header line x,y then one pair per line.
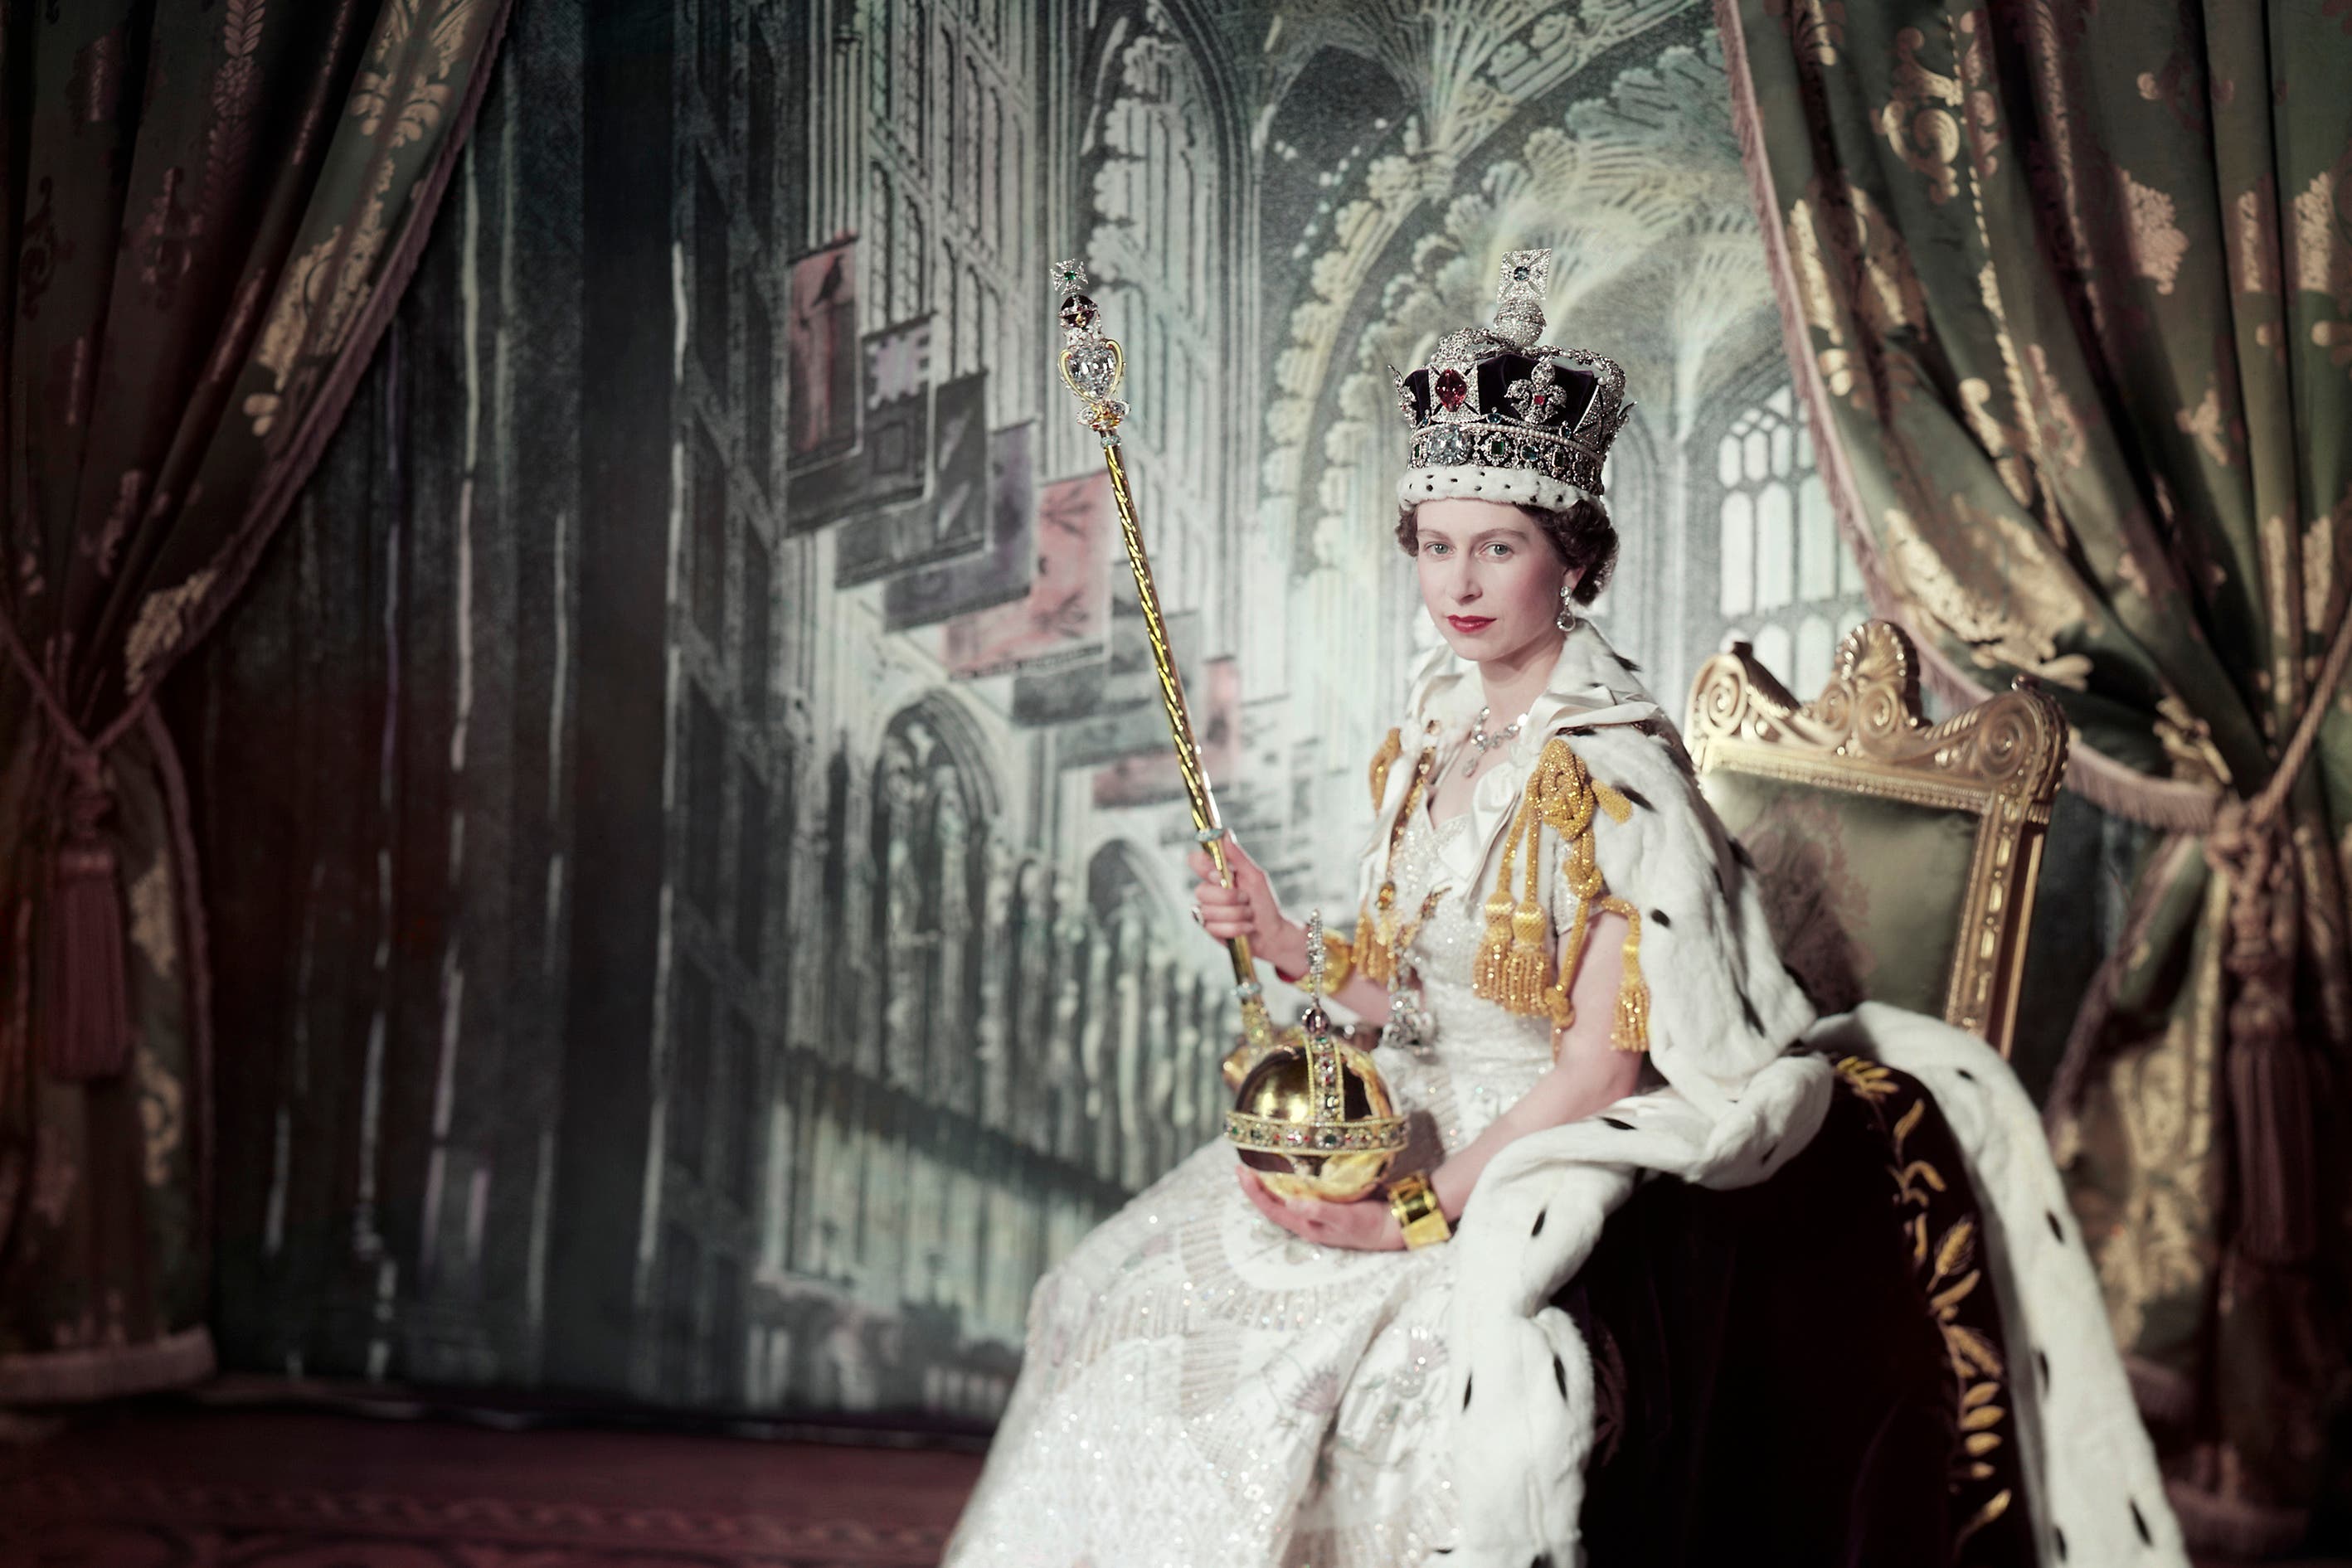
x,y
1898,858
1898,861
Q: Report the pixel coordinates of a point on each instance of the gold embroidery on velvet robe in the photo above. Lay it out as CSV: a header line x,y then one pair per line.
x,y
1948,1275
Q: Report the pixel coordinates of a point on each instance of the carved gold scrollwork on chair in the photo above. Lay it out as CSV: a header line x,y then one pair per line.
x,y
1898,857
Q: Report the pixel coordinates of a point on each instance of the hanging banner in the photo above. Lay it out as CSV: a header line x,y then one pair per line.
x,y
1127,719
1252,796
821,351
892,463
952,521
1150,779
1064,619
997,574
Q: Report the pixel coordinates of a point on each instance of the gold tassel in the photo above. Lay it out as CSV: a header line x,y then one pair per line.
x,y
1493,948
1526,977
1514,968
1631,1030
1490,971
1566,797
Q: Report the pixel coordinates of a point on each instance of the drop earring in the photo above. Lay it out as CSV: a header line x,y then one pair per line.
x,y
1567,618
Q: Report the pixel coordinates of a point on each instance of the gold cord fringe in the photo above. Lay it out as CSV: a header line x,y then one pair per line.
x,y
1514,968
1492,974
1631,1029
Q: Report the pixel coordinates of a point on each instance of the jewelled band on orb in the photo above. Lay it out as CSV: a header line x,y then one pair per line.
x,y
1275,1135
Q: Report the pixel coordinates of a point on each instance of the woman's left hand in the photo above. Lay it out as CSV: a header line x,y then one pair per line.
x,y
1367,1224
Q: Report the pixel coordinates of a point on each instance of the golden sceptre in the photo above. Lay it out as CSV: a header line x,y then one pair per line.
x,y
1092,366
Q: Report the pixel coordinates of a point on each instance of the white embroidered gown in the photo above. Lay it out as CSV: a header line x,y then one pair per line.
x,y
1202,1389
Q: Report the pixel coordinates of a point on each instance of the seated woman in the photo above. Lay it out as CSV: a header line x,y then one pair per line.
x,y
1577,990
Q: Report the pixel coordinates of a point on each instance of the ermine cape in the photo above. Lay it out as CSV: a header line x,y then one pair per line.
x,y
1748,1078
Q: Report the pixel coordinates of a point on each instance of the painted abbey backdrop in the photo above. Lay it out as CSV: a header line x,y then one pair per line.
x,y
696,875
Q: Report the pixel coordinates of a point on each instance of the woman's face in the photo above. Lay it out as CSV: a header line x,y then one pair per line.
x,y
1490,579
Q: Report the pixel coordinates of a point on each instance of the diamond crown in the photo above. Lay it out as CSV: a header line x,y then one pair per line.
x,y
1496,398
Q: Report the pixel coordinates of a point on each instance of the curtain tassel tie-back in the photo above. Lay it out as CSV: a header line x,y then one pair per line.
x,y
2270,1089
2269,1079
88,1016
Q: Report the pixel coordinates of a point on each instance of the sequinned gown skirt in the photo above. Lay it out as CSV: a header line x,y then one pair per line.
x,y
1202,1389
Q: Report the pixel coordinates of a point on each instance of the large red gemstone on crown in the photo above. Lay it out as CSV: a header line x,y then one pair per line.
x,y
1452,389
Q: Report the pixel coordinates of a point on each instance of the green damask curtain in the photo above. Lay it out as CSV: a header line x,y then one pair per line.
x,y
2069,290
210,209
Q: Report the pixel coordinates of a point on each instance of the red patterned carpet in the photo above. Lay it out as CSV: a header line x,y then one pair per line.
x,y
265,1488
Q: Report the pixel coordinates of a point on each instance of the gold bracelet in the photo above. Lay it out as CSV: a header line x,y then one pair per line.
x,y
1414,1203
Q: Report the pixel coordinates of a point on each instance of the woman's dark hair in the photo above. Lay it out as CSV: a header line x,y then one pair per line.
x,y
1580,533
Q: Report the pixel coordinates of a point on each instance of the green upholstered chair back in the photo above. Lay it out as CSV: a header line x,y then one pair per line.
x,y
1898,859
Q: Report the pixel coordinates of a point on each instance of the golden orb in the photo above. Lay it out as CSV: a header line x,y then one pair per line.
x,y
1314,1118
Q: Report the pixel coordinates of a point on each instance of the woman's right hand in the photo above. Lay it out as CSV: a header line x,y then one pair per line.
x,y
1246,909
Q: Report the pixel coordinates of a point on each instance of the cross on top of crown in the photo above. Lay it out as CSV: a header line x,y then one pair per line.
x,y
1525,273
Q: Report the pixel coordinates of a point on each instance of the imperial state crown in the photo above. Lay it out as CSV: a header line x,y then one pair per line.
x,y
1499,415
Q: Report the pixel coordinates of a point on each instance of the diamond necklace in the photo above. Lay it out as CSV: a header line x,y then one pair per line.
x,y
1484,742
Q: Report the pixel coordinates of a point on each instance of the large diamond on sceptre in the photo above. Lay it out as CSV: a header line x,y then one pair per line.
x,y
1092,365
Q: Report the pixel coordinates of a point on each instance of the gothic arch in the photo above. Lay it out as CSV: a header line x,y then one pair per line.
x,y
1119,874
932,812
937,727
1159,179
1751,383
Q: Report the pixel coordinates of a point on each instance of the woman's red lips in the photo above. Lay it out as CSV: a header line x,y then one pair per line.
x,y
1468,624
